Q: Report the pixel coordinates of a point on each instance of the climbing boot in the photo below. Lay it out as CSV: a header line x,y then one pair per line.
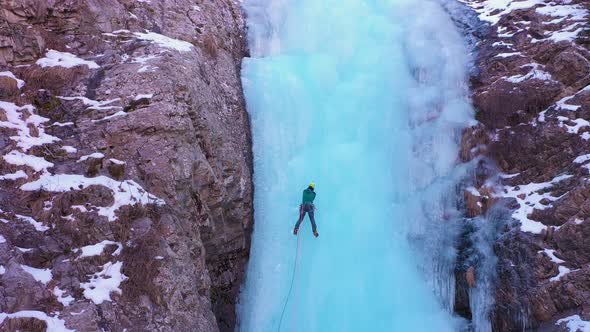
x,y
295,231
315,233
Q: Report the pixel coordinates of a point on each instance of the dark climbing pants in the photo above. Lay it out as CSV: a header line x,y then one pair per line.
x,y
303,208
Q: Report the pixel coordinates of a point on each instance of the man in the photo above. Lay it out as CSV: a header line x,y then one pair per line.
x,y
307,206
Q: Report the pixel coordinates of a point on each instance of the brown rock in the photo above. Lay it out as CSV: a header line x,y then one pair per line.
x,y
33,130
93,165
189,146
116,168
538,148
569,67
23,324
473,204
8,87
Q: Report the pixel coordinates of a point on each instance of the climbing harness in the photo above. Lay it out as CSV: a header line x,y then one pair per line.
x,y
293,280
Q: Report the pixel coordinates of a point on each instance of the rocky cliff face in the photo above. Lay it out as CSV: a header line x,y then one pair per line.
x,y
125,176
532,97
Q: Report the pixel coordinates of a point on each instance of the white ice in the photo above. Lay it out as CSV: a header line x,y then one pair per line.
x,y
364,97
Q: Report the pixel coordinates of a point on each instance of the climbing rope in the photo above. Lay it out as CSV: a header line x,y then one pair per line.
x,y
293,320
294,273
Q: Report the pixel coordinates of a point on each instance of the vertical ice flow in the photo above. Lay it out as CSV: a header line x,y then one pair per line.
x,y
366,98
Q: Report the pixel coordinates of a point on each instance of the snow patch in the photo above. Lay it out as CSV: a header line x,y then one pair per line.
x,y
551,254
572,12
24,138
164,41
509,176
69,149
97,249
473,191
55,58
572,129
529,200
125,193
62,298
144,59
575,323
502,44
561,104
20,174
120,113
19,83
562,271
102,283
507,55
95,155
535,73
492,10
582,159
565,35
42,275
38,226
93,104
61,124
144,96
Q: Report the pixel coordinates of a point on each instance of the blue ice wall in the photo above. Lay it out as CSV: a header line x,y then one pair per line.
x,y
366,98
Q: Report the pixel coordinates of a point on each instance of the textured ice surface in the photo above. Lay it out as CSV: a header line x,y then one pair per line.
x,y
366,99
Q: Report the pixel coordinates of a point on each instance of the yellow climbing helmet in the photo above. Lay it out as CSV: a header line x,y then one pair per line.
x,y
312,184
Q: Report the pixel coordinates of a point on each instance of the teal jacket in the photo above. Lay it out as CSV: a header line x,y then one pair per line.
x,y
308,196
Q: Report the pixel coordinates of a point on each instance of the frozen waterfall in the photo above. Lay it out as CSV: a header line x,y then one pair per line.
x,y
367,99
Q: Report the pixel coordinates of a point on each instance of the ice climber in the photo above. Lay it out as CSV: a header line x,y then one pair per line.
x,y
307,206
